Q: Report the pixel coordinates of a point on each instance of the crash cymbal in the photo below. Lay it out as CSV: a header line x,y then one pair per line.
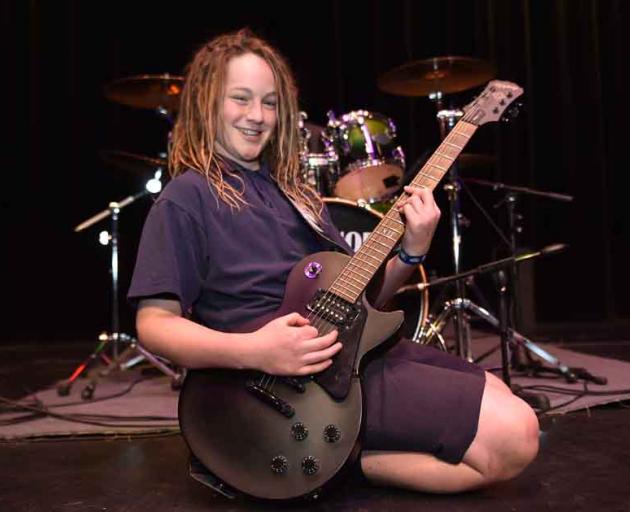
x,y
147,91
439,74
136,164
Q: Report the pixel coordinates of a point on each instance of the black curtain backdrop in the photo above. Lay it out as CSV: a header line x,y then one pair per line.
x,y
569,55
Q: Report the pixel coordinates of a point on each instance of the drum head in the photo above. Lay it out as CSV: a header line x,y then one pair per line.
x,y
356,222
372,180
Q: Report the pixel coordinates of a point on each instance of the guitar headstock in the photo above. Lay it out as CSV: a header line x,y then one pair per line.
x,y
491,104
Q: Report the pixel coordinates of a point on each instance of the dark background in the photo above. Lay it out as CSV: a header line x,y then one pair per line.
x,y
571,137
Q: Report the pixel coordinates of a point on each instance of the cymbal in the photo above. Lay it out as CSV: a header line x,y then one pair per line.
x,y
438,74
136,164
147,91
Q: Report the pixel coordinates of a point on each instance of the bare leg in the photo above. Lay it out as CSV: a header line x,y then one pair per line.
x,y
506,442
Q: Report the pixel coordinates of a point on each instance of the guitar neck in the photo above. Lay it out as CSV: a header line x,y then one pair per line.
x,y
356,275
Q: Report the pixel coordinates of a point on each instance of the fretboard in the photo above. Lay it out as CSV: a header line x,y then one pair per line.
x,y
364,264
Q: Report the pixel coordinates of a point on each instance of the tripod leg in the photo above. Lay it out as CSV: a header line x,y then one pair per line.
x,y
462,333
522,340
431,330
157,362
63,388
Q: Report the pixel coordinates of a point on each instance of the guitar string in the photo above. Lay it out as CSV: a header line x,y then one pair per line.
x,y
321,320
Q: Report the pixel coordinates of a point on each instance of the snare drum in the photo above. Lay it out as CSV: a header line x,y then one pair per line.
x,y
355,222
372,165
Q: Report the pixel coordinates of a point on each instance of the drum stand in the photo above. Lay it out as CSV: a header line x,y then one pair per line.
x,y
134,353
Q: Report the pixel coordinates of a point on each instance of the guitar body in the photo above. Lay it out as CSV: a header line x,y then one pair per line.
x,y
251,446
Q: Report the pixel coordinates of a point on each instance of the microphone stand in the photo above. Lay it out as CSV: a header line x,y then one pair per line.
x,y
431,331
114,337
512,193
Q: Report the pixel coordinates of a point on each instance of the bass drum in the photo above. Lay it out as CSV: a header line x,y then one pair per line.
x,y
356,221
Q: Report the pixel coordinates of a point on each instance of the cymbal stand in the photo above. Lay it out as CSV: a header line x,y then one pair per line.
x,y
113,338
447,120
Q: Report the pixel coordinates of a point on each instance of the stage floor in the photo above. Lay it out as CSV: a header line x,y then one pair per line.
x,y
583,462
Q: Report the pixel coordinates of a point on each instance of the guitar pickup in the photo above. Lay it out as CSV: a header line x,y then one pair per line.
x,y
332,308
269,398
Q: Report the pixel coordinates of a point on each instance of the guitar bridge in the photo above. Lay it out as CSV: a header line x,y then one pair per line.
x,y
270,399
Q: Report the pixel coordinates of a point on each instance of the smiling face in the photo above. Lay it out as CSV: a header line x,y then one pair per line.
x,y
248,116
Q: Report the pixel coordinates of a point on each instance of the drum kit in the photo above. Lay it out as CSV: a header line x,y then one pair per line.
x,y
360,174
355,163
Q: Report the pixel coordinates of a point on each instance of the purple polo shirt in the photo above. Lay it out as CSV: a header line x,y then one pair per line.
x,y
225,267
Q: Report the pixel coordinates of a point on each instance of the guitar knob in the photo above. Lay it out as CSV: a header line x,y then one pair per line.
x,y
279,464
331,434
299,431
310,465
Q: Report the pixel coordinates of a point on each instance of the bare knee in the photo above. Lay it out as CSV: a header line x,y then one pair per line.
x,y
507,436
522,437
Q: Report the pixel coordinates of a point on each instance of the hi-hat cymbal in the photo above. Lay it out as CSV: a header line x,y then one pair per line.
x,y
136,164
438,74
147,91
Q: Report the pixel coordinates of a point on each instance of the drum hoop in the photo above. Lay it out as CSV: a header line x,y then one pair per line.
x,y
424,314
356,204
349,120
367,162
320,159
367,114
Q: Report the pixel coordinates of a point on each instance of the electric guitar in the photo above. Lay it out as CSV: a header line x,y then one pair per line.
x,y
281,438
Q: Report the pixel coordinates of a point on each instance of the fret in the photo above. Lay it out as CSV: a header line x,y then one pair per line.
x,y
351,264
388,245
469,128
443,160
373,239
350,298
366,250
443,155
461,135
450,153
424,175
443,169
396,223
386,236
363,281
342,279
358,256
447,143
369,247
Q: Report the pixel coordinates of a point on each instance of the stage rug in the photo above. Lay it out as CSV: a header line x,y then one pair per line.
x,y
132,403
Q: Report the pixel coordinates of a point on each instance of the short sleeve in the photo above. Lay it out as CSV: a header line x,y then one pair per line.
x,y
172,256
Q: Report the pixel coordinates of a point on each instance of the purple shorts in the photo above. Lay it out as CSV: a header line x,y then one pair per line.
x,y
420,399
